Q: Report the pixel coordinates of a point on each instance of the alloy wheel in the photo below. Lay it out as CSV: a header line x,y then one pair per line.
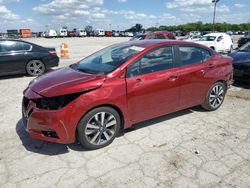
x,y
101,128
216,96
35,67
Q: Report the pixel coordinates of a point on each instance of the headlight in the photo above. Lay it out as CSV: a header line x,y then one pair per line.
x,y
55,103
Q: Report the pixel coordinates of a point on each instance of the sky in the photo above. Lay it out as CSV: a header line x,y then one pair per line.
x,y
116,14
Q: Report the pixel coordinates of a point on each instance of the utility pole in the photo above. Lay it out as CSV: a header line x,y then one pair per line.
x,y
215,3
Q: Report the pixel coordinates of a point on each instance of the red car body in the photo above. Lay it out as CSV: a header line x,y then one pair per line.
x,y
108,34
136,99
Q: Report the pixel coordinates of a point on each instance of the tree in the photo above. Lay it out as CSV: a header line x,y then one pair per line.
x,y
136,28
89,28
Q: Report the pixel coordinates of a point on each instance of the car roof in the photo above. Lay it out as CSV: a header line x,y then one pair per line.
x,y
8,39
156,42
215,34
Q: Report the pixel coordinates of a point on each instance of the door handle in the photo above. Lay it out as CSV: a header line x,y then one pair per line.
x,y
138,80
172,78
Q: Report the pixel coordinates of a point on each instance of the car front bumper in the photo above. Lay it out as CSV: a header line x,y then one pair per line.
x,y
48,125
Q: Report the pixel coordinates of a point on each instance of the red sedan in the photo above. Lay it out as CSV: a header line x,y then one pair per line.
x,y
121,85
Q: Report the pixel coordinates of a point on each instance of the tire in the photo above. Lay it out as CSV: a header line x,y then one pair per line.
x,y
215,96
212,47
93,132
35,68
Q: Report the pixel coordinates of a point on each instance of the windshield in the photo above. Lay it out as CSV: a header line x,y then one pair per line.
x,y
107,60
207,38
245,47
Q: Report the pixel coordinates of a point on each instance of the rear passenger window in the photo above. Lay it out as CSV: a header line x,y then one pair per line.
x,y
192,55
152,37
160,36
7,46
170,36
154,61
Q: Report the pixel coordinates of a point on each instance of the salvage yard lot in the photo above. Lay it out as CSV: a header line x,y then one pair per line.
x,y
190,148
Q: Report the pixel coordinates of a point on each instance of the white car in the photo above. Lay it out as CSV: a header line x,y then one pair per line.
x,y
50,33
220,42
99,33
62,33
129,34
81,33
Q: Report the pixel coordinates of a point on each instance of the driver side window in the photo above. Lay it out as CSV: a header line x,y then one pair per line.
x,y
156,60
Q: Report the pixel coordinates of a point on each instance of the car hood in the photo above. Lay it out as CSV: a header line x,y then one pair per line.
x,y
65,81
240,57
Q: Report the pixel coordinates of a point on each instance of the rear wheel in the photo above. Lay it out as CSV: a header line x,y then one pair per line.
x,y
35,67
215,96
98,128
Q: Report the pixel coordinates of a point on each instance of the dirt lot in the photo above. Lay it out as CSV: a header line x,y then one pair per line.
x,y
191,148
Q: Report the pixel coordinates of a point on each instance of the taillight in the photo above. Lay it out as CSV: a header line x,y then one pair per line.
x,y
53,53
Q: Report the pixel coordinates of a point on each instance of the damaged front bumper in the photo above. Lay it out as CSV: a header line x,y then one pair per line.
x,y
48,125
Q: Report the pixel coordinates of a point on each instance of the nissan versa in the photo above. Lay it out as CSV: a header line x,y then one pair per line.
x,y
121,85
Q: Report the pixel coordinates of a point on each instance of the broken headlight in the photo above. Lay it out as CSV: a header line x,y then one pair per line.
x,y
55,103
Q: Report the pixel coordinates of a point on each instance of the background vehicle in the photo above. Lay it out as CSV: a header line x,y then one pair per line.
x,y
155,35
71,34
62,33
81,33
25,33
115,34
220,42
193,38
129,34
17,57
108,34
51,33
13,33
241,62
99,33
112,89
243,40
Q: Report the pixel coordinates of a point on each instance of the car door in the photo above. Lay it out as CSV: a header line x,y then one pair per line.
x,y
195,64
152,85
13,56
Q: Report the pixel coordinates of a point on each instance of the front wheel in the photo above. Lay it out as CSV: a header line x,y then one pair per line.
x,y
98,128
35,68
215,96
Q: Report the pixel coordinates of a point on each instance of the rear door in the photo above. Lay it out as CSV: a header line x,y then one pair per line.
x,y
13,56
195,66
152,85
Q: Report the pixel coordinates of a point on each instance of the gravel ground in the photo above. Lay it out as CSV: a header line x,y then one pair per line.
x,y
190,148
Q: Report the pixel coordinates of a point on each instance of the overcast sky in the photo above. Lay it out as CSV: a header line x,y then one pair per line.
x,y
114,14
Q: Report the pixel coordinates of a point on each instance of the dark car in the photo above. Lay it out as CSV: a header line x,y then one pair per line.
x,y
155,35
96,98
71,33
241,62
18,57
243,40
